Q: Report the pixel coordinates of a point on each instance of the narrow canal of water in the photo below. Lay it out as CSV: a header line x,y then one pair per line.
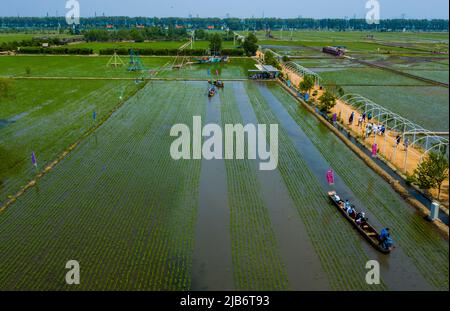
x,y
302,263
212,262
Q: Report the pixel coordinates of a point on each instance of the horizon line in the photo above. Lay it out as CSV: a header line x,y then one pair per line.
x,y
223,18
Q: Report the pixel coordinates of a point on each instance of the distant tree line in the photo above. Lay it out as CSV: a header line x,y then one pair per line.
x,y
153,33
136,34
121,22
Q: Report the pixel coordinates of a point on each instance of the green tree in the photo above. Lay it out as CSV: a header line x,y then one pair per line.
x,y
432,172
270,59
200,34
250,45
307,84
327,101
215,43
137,35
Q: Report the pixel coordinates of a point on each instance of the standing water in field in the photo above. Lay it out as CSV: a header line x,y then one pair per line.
x,y
212,265
302,264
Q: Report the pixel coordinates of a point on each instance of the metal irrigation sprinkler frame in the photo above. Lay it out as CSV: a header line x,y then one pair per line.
x,y
302,71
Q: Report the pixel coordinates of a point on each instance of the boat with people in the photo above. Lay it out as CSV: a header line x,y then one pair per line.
x,y
217,83
212,92
382,242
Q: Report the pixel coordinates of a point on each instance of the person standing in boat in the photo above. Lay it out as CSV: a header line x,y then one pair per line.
x,y
385,239
384,234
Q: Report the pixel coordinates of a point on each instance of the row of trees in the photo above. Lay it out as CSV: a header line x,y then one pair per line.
x,y
249,45
122,22
135,34
226,35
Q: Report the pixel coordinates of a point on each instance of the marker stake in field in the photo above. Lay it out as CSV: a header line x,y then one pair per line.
x,y
34,160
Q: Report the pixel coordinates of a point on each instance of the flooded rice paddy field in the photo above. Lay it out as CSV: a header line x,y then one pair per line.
x,y
136,219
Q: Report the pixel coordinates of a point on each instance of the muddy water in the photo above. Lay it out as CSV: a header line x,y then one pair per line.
x,y
302,263
397,269
212,262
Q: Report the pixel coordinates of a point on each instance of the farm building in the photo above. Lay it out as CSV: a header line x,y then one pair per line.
x,y
264,72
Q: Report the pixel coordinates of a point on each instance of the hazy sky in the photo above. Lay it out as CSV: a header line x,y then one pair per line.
x,y
235,8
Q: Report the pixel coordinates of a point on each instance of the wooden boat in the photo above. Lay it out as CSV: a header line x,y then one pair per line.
x,y
219,83
212,92
367,231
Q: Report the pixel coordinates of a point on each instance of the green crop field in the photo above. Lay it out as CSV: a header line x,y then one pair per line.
x,y
136,219
139,210
96,67
356,36
366,76
128,212
15,37
426,106
46,117
72,66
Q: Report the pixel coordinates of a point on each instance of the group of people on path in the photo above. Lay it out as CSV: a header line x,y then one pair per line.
x,y
371,128
375,129
398,140
361,119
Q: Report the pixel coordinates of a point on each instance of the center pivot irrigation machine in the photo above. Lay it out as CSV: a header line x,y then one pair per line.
x,y
135,62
